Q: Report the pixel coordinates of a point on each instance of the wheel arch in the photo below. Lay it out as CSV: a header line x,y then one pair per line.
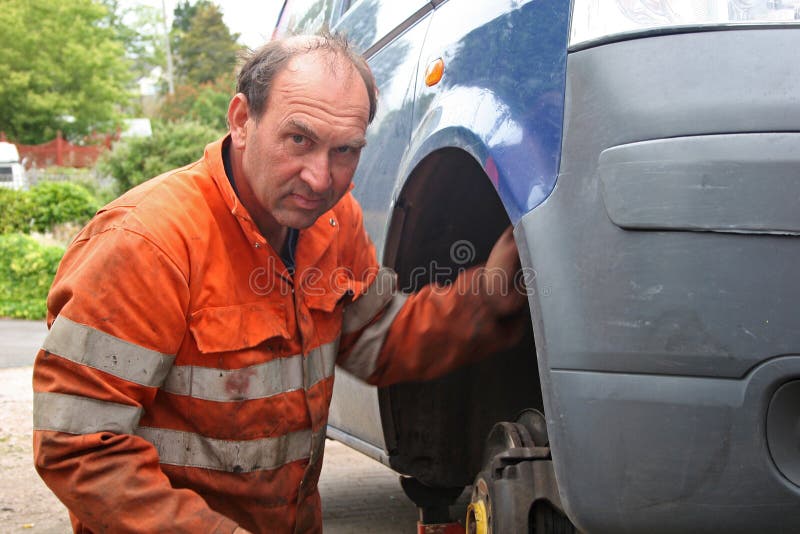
x,y
435,430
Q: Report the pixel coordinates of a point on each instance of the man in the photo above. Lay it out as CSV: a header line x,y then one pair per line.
x,y
195,321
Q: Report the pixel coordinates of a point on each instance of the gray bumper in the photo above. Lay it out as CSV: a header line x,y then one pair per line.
x,y
667,284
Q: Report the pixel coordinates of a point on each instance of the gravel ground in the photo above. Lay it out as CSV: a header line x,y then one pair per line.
x,y
26,505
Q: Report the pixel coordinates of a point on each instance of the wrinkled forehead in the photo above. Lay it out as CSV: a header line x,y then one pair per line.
x,y
324,72
323,63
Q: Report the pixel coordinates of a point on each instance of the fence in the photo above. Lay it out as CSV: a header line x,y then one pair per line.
x,y
61,152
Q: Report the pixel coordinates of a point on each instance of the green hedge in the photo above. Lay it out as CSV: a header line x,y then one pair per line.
x,y
16,212
44,206
27,269
100,187
60,202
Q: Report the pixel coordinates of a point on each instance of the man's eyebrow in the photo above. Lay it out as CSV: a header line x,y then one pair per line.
x,y
357,143
304,129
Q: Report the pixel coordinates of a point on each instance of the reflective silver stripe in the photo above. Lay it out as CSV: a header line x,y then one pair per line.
x,y
364,356
93,348
320,363
80,415
193,450
255,382
359,313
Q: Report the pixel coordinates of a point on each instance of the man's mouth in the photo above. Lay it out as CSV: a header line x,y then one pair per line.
x,y
307,202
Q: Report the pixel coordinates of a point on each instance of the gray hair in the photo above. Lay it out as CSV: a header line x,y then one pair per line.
x,y
263,64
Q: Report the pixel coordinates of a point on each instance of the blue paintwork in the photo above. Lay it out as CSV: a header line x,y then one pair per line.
x,y
502,95
369,20
354,409
395,70
501,98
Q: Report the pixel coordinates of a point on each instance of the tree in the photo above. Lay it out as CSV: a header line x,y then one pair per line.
x,y
203,46
63,67
206,103
141,29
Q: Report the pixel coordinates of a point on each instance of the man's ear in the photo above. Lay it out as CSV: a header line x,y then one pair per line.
x,y
238,115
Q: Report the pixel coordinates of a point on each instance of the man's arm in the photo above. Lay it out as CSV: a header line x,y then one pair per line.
x,y
389,337
118,304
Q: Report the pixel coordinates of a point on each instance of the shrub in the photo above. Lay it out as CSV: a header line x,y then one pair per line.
x,y
55,203
175,144
15,211
100,187
26,273
211,108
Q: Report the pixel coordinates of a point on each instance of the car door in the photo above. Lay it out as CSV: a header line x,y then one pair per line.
x,y
390,34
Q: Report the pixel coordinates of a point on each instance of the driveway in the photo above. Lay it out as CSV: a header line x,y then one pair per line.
x,y
19,342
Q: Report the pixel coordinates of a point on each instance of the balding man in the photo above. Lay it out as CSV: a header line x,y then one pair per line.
x,y
195,321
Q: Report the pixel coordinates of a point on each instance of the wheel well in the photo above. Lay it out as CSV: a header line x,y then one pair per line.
x,y
435,430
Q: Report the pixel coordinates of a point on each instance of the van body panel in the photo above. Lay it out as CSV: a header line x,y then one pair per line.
x,y
660,348
501,96
651,180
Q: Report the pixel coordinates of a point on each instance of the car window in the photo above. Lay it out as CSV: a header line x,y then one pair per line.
x,y
303,16
369,21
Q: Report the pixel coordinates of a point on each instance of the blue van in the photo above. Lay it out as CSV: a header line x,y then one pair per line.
x,y
647,153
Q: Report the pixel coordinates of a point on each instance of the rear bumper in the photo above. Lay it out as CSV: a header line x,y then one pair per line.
x,y
647,453
666,283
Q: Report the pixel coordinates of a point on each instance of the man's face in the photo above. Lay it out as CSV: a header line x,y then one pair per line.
x,y
300,156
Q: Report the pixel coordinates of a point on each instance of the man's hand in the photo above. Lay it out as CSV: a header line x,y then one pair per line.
x,y
240,530
499,292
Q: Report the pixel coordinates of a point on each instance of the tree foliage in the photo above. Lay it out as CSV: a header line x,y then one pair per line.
x,y
206,103
204,48
141,29
63,67
173,144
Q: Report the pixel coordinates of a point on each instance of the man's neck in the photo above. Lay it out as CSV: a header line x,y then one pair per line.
x,y
273,232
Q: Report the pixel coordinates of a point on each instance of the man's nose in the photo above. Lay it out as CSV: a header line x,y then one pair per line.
x,y
317,171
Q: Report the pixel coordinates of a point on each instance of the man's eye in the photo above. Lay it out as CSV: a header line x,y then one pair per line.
x,y
343,149
298,139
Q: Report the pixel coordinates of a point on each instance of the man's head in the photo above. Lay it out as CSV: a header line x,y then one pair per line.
x,y
298,123
259,70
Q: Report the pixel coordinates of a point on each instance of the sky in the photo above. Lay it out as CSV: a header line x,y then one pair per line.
x,y
253,19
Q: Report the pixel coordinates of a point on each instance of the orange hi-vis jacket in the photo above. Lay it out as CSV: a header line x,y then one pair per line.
x,y
185,382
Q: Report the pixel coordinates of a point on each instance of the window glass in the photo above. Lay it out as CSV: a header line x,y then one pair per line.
x,y
303,16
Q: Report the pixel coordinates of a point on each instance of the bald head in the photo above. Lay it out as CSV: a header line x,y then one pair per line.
x,y
257,75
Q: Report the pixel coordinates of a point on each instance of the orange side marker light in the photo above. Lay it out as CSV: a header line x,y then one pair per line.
x,y
434,72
